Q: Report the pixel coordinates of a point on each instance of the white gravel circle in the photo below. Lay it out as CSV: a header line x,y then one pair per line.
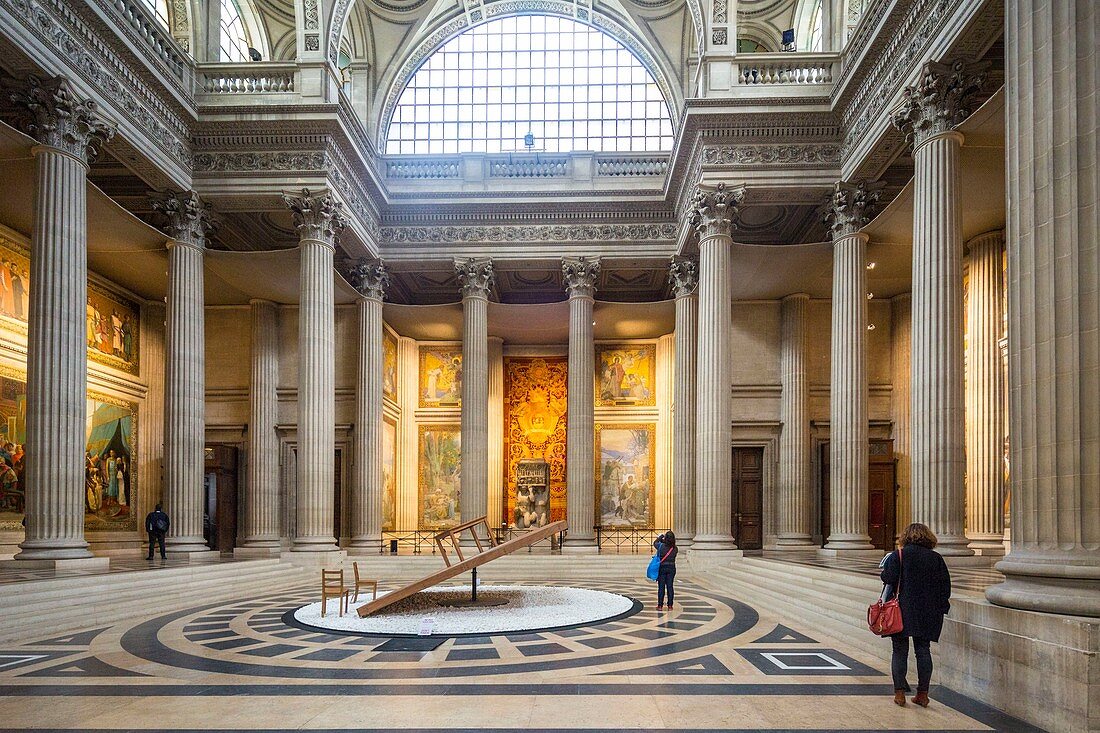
x,y
528,608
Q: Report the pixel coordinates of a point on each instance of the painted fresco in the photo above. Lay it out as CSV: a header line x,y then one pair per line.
x,y
389,366
625,474
13,433
15,281
440,376
440,457
534,424
626,374
389,475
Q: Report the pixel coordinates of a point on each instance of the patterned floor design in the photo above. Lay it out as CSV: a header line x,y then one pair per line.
x,y
713,663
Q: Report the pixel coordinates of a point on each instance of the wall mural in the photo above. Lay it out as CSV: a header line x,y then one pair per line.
x,y
440,376
438,477
389,475
389,366
626,374
626,474
110,490
534,424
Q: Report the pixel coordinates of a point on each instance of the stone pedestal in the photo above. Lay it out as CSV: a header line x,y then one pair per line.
x,y
795,496
476,278
260,525
684,276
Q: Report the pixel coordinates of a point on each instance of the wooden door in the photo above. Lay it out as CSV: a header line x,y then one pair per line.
x,y
748,498
336,498
220,516
881,498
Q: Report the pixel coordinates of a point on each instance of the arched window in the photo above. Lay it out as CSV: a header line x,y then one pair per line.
x,y
159,8
530,82
234,40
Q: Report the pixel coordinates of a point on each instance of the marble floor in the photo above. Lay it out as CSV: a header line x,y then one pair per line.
x,y
713,663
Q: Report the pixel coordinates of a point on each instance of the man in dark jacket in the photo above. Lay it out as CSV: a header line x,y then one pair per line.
x,y
156,525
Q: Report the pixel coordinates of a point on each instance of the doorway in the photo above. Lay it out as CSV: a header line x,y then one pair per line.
x,y
748,498
337,498
219,517
881,493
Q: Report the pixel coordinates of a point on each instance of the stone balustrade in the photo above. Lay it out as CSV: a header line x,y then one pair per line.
x,y
653,165
785,68
135,14
252,78
423,169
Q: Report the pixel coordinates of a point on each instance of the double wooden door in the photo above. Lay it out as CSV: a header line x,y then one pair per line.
x,y
747,522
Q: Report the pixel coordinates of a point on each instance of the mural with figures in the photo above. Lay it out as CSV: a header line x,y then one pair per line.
x,y
625,474
440,376
389,475
439,461
534,424
389,366
626,374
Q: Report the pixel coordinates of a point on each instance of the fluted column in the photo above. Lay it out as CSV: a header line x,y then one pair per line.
x,y
476,278
985,397
69,131
714,210
901,324
1053,280
580,277
188,220
371,280
318,218
930,112
260,525
684,276
795,498
852,207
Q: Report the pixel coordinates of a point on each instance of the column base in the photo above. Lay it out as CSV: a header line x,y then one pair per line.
x,y
203,555
314,544
988,545
254,551
323,559
685,542
53,549
91,562
855,552
713,543
954,546
849,542
185,544
794,542
580,546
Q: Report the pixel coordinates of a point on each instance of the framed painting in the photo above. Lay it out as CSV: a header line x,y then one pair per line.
x,y
389,475
112,329
625,474
15,281
440,376
626,374
438,475
389,366
534,425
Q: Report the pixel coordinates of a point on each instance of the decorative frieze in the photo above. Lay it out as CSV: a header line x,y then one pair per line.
x,y
770,155
370,278
683,275
476,277
940,100
851,207
713,209
529,233
259,161
51,112
318,217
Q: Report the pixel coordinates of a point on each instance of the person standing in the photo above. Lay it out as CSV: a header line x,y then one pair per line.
x,y
923,586
156,525
666,573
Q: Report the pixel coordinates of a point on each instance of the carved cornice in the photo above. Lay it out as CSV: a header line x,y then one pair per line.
x,y
714,209
772,155
476,277
50,111
188,218
683,275
851,207
210,162
940,100
579,275
529,233
370,278
318,216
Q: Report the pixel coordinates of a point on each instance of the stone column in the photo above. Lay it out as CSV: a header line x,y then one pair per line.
x,y
318,218
901,324
580,276
985,397
371,280
69,131
476,278
684,276
852,207
188,220
795,497
714,210
1053,355
928,115
260,528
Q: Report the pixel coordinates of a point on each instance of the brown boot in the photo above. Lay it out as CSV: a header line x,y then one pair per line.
x,y
921,698
899,698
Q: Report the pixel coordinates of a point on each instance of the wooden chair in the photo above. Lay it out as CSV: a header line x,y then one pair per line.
x,y
362,583
332,586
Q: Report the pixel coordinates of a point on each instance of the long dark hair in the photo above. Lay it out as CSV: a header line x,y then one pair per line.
x,y
670,539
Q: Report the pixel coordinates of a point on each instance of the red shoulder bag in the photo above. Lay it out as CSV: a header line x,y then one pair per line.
x,y
884,617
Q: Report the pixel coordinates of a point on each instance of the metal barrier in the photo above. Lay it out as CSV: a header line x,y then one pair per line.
x,y
635,540
417,539
622,540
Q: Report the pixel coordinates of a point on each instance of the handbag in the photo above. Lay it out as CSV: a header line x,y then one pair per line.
x,y
655,564
884,617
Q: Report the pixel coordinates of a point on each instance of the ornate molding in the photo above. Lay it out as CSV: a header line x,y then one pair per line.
x,y
317,216
683,275
940,100
579,274
370,278
476,277
189,218
713,210
50,111
851,207
793,155
529,233
260,161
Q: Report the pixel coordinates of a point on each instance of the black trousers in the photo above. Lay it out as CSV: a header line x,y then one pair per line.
x,y
665,575
155,537
899,662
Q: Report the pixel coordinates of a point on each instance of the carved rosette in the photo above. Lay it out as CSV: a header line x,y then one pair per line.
x,y
851,207
476,277
370,278
318,216
683,274
940,100
579,275
713,210
51,112
189,218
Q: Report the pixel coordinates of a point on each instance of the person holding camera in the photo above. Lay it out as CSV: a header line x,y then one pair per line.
x,y
666,573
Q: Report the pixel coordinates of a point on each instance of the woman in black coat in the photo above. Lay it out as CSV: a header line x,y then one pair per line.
x,y
666,573
920,577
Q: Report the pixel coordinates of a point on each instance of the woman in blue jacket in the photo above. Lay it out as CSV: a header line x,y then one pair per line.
x,y
666,550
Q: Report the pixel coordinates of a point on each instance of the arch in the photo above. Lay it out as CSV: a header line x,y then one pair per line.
x,y
239,23
808,31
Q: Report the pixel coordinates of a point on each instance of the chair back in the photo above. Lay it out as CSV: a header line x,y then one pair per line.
x,y
355,569
332,580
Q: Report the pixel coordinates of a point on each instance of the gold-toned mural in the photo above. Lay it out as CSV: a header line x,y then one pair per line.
x,y
440,376
389,366
534,424
626,374
626,474
438,476
389,475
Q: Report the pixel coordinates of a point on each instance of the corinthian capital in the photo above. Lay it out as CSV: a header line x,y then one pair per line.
x,y
683,273
317,216
579,275
370,278
51,112
476,277
940,99
713,209
851,207
188,218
